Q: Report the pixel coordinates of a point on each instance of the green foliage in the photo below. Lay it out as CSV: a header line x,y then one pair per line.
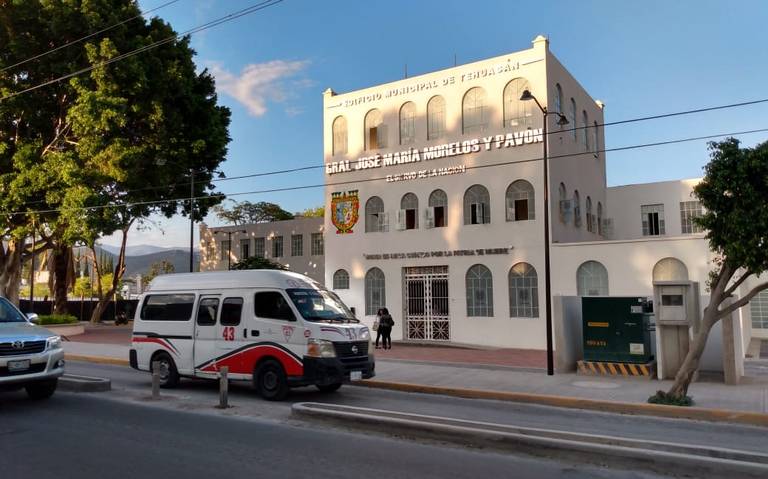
x,y
734,193
83,287
41,291
45,319
245,212
317,212
256,262
670,399
158,268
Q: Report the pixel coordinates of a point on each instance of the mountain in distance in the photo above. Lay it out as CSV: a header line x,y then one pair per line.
x,y
139,250
142,263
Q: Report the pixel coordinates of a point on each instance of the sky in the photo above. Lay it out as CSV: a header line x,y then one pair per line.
x,y
639,58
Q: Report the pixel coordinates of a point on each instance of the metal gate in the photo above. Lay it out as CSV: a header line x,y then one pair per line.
x,y
425,296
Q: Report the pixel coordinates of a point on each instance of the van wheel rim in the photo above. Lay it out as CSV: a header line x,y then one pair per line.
x,y
165,368
269,381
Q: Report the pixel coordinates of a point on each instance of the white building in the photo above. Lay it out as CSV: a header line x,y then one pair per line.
x,y
434,188
298,244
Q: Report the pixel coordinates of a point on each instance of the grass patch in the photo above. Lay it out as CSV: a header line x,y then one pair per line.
x,y
48,319
663,398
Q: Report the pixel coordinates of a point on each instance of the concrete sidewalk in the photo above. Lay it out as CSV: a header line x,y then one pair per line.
x,y
751,396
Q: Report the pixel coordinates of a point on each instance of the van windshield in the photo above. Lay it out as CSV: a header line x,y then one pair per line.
x,y
9,313
320,305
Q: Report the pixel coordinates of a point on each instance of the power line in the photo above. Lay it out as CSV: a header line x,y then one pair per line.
x,y
91,35
213,23
368,180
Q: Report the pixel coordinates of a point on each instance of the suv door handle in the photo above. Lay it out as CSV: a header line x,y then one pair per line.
x,y
254,332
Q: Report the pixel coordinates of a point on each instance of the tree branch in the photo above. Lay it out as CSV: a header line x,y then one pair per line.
x,y
738,282
742,301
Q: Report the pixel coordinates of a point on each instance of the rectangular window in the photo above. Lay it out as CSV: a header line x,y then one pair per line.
x,y
758,307
206,311
410,219
652,219
521,210
231,311
688,211
245,249
317,244
168,307
259,247
477,214
224,251
277,247
439,216
272,305
297,245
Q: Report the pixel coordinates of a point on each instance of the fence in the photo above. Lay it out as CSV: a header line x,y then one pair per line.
x,y
83,309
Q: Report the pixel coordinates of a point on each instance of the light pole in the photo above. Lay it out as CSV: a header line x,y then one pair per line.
x,y
562,120
229,240
191,220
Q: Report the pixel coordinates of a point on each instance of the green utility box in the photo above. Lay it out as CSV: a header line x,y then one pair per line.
x,y
617,329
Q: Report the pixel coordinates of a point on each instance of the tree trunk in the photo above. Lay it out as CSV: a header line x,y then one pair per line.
x,y
61,261
10,270
690,365
117,275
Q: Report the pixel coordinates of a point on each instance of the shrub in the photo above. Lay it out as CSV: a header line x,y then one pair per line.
x,y
56,319
670,400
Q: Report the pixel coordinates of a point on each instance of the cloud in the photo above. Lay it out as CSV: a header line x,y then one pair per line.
x,y
260,83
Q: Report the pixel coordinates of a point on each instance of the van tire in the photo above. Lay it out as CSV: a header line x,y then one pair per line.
x,y
169,375
329,388
42,389
271,381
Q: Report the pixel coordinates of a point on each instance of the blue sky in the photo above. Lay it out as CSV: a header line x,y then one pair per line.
x,y
640,58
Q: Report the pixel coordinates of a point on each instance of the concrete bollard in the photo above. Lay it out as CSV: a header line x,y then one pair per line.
x,y
223,388
155,379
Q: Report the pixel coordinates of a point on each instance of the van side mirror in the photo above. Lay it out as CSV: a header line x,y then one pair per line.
x,y
33,318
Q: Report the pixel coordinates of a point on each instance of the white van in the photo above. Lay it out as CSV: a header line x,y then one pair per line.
x,y
275,328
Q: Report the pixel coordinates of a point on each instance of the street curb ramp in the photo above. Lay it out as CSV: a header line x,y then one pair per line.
x,y
84,384
626,453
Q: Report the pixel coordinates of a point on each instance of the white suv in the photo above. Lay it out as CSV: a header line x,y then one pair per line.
x,y
31,357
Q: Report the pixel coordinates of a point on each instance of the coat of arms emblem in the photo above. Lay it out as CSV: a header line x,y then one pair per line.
x,y
344,211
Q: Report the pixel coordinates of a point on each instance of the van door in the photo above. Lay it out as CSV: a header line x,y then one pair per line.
x,y
275,322
231,335
206,352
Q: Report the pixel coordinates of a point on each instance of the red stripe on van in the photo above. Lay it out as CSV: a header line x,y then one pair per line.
x,y
159,341
245,361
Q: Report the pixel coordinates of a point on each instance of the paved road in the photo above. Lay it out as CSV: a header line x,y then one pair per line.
x,y
93,436
193,394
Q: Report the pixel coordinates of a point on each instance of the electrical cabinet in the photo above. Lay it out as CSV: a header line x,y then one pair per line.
x,y
617,329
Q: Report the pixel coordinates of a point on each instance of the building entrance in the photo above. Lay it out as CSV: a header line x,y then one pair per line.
x,y
425,296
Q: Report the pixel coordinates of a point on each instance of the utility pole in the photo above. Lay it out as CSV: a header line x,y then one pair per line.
x,y
191,220
32,271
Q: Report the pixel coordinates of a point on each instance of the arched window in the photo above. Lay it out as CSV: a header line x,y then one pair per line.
x,y
558,98
479,291
585,130
562,194
341,279
596,145
409,206
576,208
375,294
436,118
523,291
474,111
477,205
520,201
375,131
670,269
407,123
572,118
375,219
340,136
592,279
599,218
438,204
588,207
517,114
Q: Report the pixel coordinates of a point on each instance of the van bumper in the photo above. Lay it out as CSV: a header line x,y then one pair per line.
x,y
326,371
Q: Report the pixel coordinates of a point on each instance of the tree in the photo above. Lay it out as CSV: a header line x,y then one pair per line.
x,y
734,194
83,287
157,268
317,212
99,152
246,212
257,262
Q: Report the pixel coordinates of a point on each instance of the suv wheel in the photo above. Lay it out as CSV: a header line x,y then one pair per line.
x,y
271,381
42,389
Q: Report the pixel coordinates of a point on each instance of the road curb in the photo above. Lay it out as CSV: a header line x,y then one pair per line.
x,y
96,359
84,384
642,409
633,454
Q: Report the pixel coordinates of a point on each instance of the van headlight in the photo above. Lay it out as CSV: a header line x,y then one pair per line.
x,y
320,348
54,343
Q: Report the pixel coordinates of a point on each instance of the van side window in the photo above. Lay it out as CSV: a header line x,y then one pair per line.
x,y
206,311
167,307
272,304
231,309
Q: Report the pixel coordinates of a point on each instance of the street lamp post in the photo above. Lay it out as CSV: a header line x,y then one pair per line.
x,y
527,96
229,240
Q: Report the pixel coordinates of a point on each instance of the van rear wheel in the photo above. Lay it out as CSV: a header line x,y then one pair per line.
x,y
169,375
271,381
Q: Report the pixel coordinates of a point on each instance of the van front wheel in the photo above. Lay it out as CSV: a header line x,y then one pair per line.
x,y
271,381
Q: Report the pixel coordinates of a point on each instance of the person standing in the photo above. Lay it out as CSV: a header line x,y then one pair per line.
x,y
385,328
376,324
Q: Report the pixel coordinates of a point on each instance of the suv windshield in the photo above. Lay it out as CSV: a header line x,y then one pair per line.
x,y
320,305
9,313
